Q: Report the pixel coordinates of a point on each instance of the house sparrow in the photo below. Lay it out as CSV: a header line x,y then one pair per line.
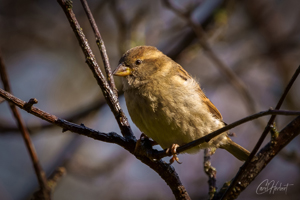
x,y
168,105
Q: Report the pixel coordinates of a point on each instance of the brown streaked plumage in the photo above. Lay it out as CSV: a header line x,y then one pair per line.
x,y
167,104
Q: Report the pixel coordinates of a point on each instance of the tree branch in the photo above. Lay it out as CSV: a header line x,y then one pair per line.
x,y
207,138
247,165
211,172
72,116
109,95
265,155
45,190
80,129
166,171
101,46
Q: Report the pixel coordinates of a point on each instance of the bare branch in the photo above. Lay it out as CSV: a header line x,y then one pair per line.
x,y
166,171
41,176
109,95
211,172
247,164
207,138
265,155
52,182
80,129
101,47
72,116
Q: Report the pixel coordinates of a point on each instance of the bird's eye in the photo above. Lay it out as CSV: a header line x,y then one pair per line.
x,y
138,62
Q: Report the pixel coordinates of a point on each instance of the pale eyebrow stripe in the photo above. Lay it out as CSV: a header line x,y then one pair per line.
x,y
153,54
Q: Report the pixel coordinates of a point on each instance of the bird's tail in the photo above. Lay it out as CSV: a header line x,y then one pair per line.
x,y
236,150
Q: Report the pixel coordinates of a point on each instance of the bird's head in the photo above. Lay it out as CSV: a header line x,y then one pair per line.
x,y
142,63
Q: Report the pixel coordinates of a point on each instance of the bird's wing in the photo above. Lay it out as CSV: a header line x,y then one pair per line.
x,y
210,106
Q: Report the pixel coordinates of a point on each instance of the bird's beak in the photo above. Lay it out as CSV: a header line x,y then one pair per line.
x,y
122,70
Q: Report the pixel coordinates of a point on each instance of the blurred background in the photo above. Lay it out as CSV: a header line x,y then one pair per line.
x,y
258,40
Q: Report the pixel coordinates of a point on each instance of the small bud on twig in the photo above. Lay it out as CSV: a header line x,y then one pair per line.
x,y
30,103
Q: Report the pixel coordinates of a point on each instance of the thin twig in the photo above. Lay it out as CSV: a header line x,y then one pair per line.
x,y
262,137
72,116
108,93
265,155
113,137
223,68
66,125
211,172
166,171
208,137
41,176
101,47
52,182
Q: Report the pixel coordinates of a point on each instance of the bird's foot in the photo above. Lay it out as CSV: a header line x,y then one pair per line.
x,y
172,150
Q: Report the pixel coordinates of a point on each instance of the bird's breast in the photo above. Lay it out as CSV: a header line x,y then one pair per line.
x,y
172,115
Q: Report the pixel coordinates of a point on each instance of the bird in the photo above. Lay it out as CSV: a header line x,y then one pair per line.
x,y
168,105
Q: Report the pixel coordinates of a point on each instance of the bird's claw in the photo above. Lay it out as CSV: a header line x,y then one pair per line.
x,y
172,150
